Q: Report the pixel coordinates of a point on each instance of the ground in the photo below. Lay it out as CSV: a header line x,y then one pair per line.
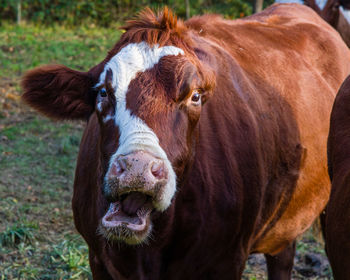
x,y
37,160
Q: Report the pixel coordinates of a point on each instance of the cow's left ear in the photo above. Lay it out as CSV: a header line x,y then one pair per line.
x,y
59,92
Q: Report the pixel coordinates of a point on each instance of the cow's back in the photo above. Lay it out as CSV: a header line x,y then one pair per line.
x,y
293,65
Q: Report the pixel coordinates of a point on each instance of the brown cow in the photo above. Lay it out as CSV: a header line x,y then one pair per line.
x,y
337,226
205,141
333,15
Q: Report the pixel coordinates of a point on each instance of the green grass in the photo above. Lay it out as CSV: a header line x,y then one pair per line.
x,y
37,156
27,46
18,234
37,161
71,255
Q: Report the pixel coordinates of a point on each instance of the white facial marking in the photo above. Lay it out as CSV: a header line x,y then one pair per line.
x,y
108,118
99,106
135,135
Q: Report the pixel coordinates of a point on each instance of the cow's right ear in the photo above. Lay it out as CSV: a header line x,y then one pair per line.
x,y
59,92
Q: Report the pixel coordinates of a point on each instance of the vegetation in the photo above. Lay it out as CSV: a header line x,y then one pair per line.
x,y
38,240
37,156
27,46
105,13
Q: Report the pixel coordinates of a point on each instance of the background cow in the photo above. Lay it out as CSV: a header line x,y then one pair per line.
x,y
338,210
205,141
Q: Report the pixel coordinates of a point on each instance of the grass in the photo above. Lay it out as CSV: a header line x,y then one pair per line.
x,y
37,236
71,255
18,234
37,156
27,46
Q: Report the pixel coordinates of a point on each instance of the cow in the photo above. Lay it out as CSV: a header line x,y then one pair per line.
x,y
337,214
205,141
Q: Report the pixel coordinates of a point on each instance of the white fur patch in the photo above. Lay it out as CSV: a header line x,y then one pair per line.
x,y
99,106
135,135
108,118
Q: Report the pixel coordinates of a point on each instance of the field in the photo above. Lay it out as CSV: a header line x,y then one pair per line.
x,y
37,160
37,156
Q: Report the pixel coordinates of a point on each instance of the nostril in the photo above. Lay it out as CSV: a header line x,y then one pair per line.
x,y
158,170
119,170
120,166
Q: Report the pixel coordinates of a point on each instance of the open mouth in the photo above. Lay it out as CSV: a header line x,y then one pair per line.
x,y
128,218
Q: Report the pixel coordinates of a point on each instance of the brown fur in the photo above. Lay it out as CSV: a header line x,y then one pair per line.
x,y
332,14
155,29
59,88
337,223
250,160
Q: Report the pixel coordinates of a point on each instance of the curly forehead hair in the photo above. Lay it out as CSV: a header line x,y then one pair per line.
x,y
159,28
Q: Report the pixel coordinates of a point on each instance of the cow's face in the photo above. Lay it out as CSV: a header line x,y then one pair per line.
x,y
148,104
148,101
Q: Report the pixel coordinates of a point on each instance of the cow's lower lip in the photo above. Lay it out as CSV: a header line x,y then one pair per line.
x,y
116,217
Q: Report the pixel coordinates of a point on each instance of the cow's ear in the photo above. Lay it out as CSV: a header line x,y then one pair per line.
x,y
59,92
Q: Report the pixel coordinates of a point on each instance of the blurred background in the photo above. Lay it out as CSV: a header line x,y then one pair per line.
x,y
37,156
107,13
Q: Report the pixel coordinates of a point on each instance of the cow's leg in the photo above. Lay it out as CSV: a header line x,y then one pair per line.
x,y
280,266
99,272
337,227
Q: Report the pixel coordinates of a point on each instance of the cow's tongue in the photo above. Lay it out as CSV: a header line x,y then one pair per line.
x,y
132,212
133,202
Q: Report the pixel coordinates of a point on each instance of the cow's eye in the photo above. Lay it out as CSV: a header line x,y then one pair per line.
x,y
103,92
196,97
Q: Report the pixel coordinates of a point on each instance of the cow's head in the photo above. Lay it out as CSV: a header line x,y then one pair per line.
x,y
147,95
